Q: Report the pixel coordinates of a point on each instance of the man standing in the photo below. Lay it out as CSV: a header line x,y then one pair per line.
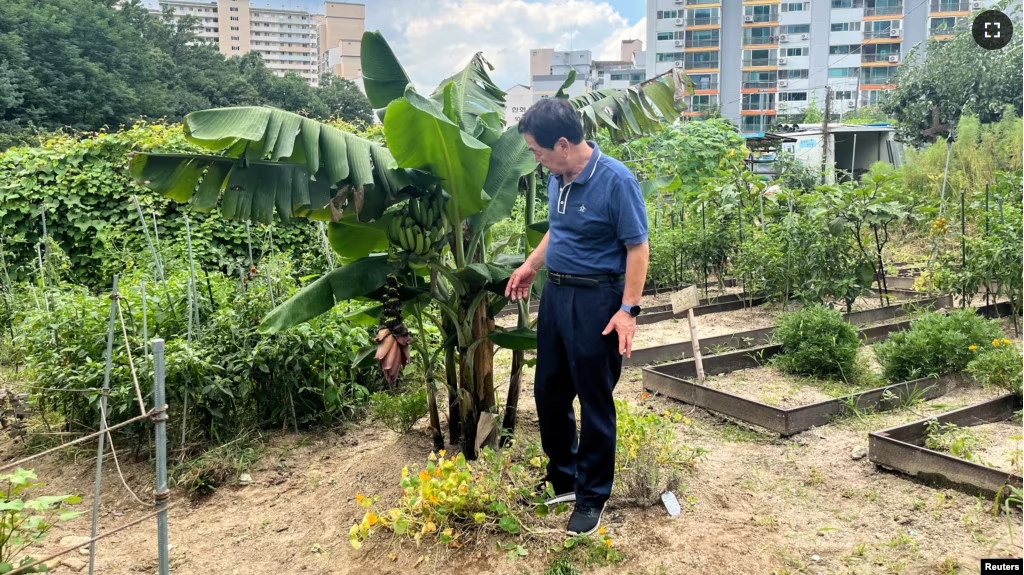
x,y
596,253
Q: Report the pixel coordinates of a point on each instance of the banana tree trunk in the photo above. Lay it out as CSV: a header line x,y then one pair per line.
x,y
452,382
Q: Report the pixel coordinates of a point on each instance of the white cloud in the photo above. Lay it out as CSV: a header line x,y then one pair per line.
x,y
435,38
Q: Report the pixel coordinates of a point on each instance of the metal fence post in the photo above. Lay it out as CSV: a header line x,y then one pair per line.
x,y
160,419
103,425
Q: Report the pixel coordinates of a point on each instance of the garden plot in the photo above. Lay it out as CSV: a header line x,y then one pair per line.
x,y
905,447
797,413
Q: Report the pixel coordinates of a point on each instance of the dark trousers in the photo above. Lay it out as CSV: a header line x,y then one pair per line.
x,y
574,359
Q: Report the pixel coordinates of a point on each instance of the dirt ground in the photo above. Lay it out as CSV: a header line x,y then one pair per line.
x,y
759,504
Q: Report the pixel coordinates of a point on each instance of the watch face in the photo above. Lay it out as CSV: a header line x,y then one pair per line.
x,y
634,311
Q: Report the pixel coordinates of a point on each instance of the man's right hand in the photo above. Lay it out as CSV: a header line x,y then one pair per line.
x,y
519,282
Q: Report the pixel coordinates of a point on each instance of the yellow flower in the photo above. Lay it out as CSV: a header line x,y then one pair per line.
x,y
644,395
972,347
995,342
371,518
601,531
424,475
608,542
1006,342
441,453
359,498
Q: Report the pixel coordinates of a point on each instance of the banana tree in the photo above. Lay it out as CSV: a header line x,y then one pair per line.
x,y
408,220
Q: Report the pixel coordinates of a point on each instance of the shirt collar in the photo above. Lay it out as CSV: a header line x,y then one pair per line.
x,y
590,168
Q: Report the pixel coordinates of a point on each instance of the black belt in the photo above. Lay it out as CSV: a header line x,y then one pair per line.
x,y
584,281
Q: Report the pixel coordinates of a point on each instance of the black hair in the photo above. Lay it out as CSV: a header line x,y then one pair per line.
x,y
551,119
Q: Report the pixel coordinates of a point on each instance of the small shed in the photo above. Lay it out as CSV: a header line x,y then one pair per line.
x,y
849,152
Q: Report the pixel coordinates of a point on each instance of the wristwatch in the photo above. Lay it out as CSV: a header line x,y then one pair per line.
x,y
633,310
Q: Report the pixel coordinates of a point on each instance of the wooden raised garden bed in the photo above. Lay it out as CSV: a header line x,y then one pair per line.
x,y
902,448
746,339
676,380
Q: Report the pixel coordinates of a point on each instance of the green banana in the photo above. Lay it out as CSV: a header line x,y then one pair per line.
x,y
419,241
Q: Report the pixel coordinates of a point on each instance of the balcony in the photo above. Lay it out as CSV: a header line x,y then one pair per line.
x,y
867,58
703,107
711,85
884,10
702,2
705,21
760,40
702,42
772,16
758,85
879,34
700,64
760,62
947,6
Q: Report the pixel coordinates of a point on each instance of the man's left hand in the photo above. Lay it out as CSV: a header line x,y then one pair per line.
x,y
625,325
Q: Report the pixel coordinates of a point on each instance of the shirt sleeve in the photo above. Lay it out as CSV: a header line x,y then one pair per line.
x,y
631,216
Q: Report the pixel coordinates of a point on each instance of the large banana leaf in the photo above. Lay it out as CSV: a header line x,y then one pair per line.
x,y
510,161
353,240
384,79
274,160
347,282
630,112
476,95
421,136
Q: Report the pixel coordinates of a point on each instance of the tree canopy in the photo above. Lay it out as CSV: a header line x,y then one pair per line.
x,y
85,64
958,77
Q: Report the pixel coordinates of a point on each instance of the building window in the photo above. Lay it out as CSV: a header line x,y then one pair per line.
x,y
793,96
842,72
234,8
759,36
797,29
666,35
235,28
670,56
847,3
702,16
844,49
699,60
792,52
760,57
666,14
235,38
234,18
844,95
846,27
234,48
793,74
762,13
759,80
758,102
796,6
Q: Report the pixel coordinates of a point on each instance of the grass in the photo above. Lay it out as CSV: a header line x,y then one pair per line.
x,y
217,466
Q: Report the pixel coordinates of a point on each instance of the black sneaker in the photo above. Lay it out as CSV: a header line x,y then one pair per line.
x,y
584,520
562,495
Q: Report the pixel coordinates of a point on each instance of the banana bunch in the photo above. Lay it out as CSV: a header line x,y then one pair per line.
x,y
421,226
393,338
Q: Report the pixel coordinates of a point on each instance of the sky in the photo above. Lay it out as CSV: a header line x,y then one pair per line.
x,y
435,38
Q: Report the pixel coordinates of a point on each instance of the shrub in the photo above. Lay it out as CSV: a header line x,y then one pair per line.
x,y
399,412
451,498
647,460
935,344
24,523
816,341
999,365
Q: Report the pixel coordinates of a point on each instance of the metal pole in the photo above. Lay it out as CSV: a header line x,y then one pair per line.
x,y
145,326
248,241
149,240
963,247
853,160
160,426
988,281
103,426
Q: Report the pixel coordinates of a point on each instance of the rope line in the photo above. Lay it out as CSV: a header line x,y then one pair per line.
x,y
131,362
154,414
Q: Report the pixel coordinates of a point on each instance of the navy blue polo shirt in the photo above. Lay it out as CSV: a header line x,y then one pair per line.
x,y
592,219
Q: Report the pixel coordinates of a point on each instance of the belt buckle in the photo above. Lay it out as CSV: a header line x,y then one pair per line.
x,y
555,278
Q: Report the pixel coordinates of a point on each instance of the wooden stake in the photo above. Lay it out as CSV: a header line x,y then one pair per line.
x,y
695,342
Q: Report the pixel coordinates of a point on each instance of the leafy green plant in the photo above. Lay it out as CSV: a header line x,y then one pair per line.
x,y
451,497
399,412
998,365
648,459
818,342
25,522
935,344
951,438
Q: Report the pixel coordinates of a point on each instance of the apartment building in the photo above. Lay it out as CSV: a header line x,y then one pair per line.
x,y
550,69
629,69
287,40
339,39
757,59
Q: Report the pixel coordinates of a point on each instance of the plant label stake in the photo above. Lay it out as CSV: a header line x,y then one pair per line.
x,y
686,300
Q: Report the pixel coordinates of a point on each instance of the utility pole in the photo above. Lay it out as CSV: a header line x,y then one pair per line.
x,y
824,132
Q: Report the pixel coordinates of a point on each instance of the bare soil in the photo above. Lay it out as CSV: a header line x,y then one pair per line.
x,y
999,445
769,385
758,504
